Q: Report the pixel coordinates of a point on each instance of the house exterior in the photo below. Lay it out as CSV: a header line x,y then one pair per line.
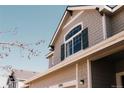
x,y
14,78
87,50
20,76
5,72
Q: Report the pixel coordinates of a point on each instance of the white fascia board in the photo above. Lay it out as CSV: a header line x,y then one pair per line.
x,y
101,7
58,28
116,8
81,7
72,8
49,54
72,19
111,10
108,8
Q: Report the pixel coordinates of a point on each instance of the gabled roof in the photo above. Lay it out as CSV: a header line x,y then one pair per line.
x,y
23,75
110,8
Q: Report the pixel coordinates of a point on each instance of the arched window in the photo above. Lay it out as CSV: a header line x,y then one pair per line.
x,y
73,32
75,40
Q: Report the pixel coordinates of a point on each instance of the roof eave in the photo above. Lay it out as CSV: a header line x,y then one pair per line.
x,y
64,15
55,34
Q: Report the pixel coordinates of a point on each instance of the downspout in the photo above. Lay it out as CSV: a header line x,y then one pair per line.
x,y
103,23
104,26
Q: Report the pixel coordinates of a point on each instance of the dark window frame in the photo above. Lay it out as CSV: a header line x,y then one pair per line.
x,y
74,31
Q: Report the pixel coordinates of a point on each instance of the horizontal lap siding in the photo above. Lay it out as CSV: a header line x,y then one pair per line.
x,y
50,62
118,22
91,19
108,26
60,40
63,75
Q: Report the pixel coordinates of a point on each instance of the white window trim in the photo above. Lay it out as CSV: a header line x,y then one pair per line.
x,y
118,79
66,41
89,75
65,47
80,23
104,26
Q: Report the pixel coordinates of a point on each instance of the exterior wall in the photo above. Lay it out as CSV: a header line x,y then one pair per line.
x,y
117,21
103,71
82,74
51,63
74,13
91,19
63,75
108,25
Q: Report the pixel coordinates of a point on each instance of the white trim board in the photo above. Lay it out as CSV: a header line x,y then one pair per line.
x,y
104,26
89,76
73,19
58,28
80,23
118,79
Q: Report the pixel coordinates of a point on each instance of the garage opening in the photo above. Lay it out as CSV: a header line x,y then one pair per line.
x,y
104,70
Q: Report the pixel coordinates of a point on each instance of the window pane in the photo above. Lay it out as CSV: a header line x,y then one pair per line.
x,y
77,43
73,32
68,48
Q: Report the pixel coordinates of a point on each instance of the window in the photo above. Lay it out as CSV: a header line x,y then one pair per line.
x,y
75,40
73,32
77,43
68,48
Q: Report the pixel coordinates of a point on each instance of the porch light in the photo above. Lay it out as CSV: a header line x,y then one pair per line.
x,y
60,85
82,82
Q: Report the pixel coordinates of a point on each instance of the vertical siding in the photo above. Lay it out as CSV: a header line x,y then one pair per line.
x,y
118,21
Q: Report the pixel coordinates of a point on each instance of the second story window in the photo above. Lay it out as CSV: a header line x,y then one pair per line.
x,y
73,32
68,48
75,42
